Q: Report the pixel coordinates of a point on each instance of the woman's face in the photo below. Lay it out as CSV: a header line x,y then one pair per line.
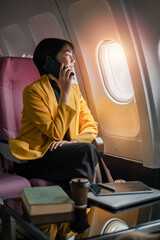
x,y
66,57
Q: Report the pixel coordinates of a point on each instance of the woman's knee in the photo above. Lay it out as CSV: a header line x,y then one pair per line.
x,y
88,146
90,151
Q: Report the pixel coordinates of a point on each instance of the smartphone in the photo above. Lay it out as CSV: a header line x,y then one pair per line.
x,y
52,66
99,190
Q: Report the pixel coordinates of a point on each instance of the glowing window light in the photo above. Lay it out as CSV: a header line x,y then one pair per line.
x,y
115,71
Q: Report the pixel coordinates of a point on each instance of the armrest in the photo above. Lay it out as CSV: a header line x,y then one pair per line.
x,y
6,152
99,144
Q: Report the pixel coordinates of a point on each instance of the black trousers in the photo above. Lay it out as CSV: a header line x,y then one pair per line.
x,y
67,162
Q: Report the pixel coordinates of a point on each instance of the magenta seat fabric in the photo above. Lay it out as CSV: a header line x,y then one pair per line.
x,y
15,74
37,182
11,185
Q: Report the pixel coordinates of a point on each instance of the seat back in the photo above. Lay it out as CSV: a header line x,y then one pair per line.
x,y
15,74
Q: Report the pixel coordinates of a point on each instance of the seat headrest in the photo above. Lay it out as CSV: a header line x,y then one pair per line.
x,y
17,68
15,74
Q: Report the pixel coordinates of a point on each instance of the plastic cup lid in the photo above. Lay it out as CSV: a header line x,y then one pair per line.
x,y
80,182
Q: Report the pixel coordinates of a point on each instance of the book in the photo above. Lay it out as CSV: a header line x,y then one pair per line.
x,y
46,200
48,218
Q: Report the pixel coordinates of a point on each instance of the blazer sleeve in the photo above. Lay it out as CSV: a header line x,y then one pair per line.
x,y
88,128
37,109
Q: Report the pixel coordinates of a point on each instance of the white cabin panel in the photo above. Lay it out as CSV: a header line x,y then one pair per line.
x,y
90,23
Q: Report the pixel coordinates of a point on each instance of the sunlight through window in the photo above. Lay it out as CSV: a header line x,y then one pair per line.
x,y
115,71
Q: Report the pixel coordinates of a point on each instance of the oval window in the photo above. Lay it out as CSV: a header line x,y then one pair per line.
x,y
115,71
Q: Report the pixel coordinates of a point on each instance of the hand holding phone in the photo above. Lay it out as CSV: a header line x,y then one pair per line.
x,y
52,66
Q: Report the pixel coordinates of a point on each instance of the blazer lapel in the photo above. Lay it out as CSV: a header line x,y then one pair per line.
x,y
51,102
50,97
72,103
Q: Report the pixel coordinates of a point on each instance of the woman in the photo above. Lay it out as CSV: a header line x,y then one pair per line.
x,y
57,126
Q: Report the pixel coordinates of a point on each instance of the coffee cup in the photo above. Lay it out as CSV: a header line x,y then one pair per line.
x,y
79,191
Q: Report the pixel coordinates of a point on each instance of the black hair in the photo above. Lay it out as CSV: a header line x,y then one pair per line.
x,y
48,47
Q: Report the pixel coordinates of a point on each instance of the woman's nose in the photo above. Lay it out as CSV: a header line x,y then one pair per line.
x,y
72,59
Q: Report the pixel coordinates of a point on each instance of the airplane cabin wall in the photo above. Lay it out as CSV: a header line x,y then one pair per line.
x,y
130,130
23,24
144,21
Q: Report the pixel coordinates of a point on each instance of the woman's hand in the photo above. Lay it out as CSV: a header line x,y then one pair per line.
x,y
64,82
57,144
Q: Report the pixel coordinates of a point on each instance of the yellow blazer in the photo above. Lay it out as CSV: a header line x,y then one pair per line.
x,y
44,121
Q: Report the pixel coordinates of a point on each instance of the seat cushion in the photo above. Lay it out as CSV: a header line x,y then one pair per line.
x,y
37,182
11,185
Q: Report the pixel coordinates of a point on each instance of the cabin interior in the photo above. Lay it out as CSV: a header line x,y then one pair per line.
x,y
117,51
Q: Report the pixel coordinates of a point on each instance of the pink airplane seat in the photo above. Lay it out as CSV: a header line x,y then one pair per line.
x,y
11,185
15,74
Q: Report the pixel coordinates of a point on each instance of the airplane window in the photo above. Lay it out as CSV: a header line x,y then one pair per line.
x,y
115,71
44,25
15,40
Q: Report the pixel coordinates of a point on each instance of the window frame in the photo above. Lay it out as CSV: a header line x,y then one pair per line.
x,y
107,85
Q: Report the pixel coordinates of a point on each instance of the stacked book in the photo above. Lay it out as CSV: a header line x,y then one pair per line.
x,y
47,205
